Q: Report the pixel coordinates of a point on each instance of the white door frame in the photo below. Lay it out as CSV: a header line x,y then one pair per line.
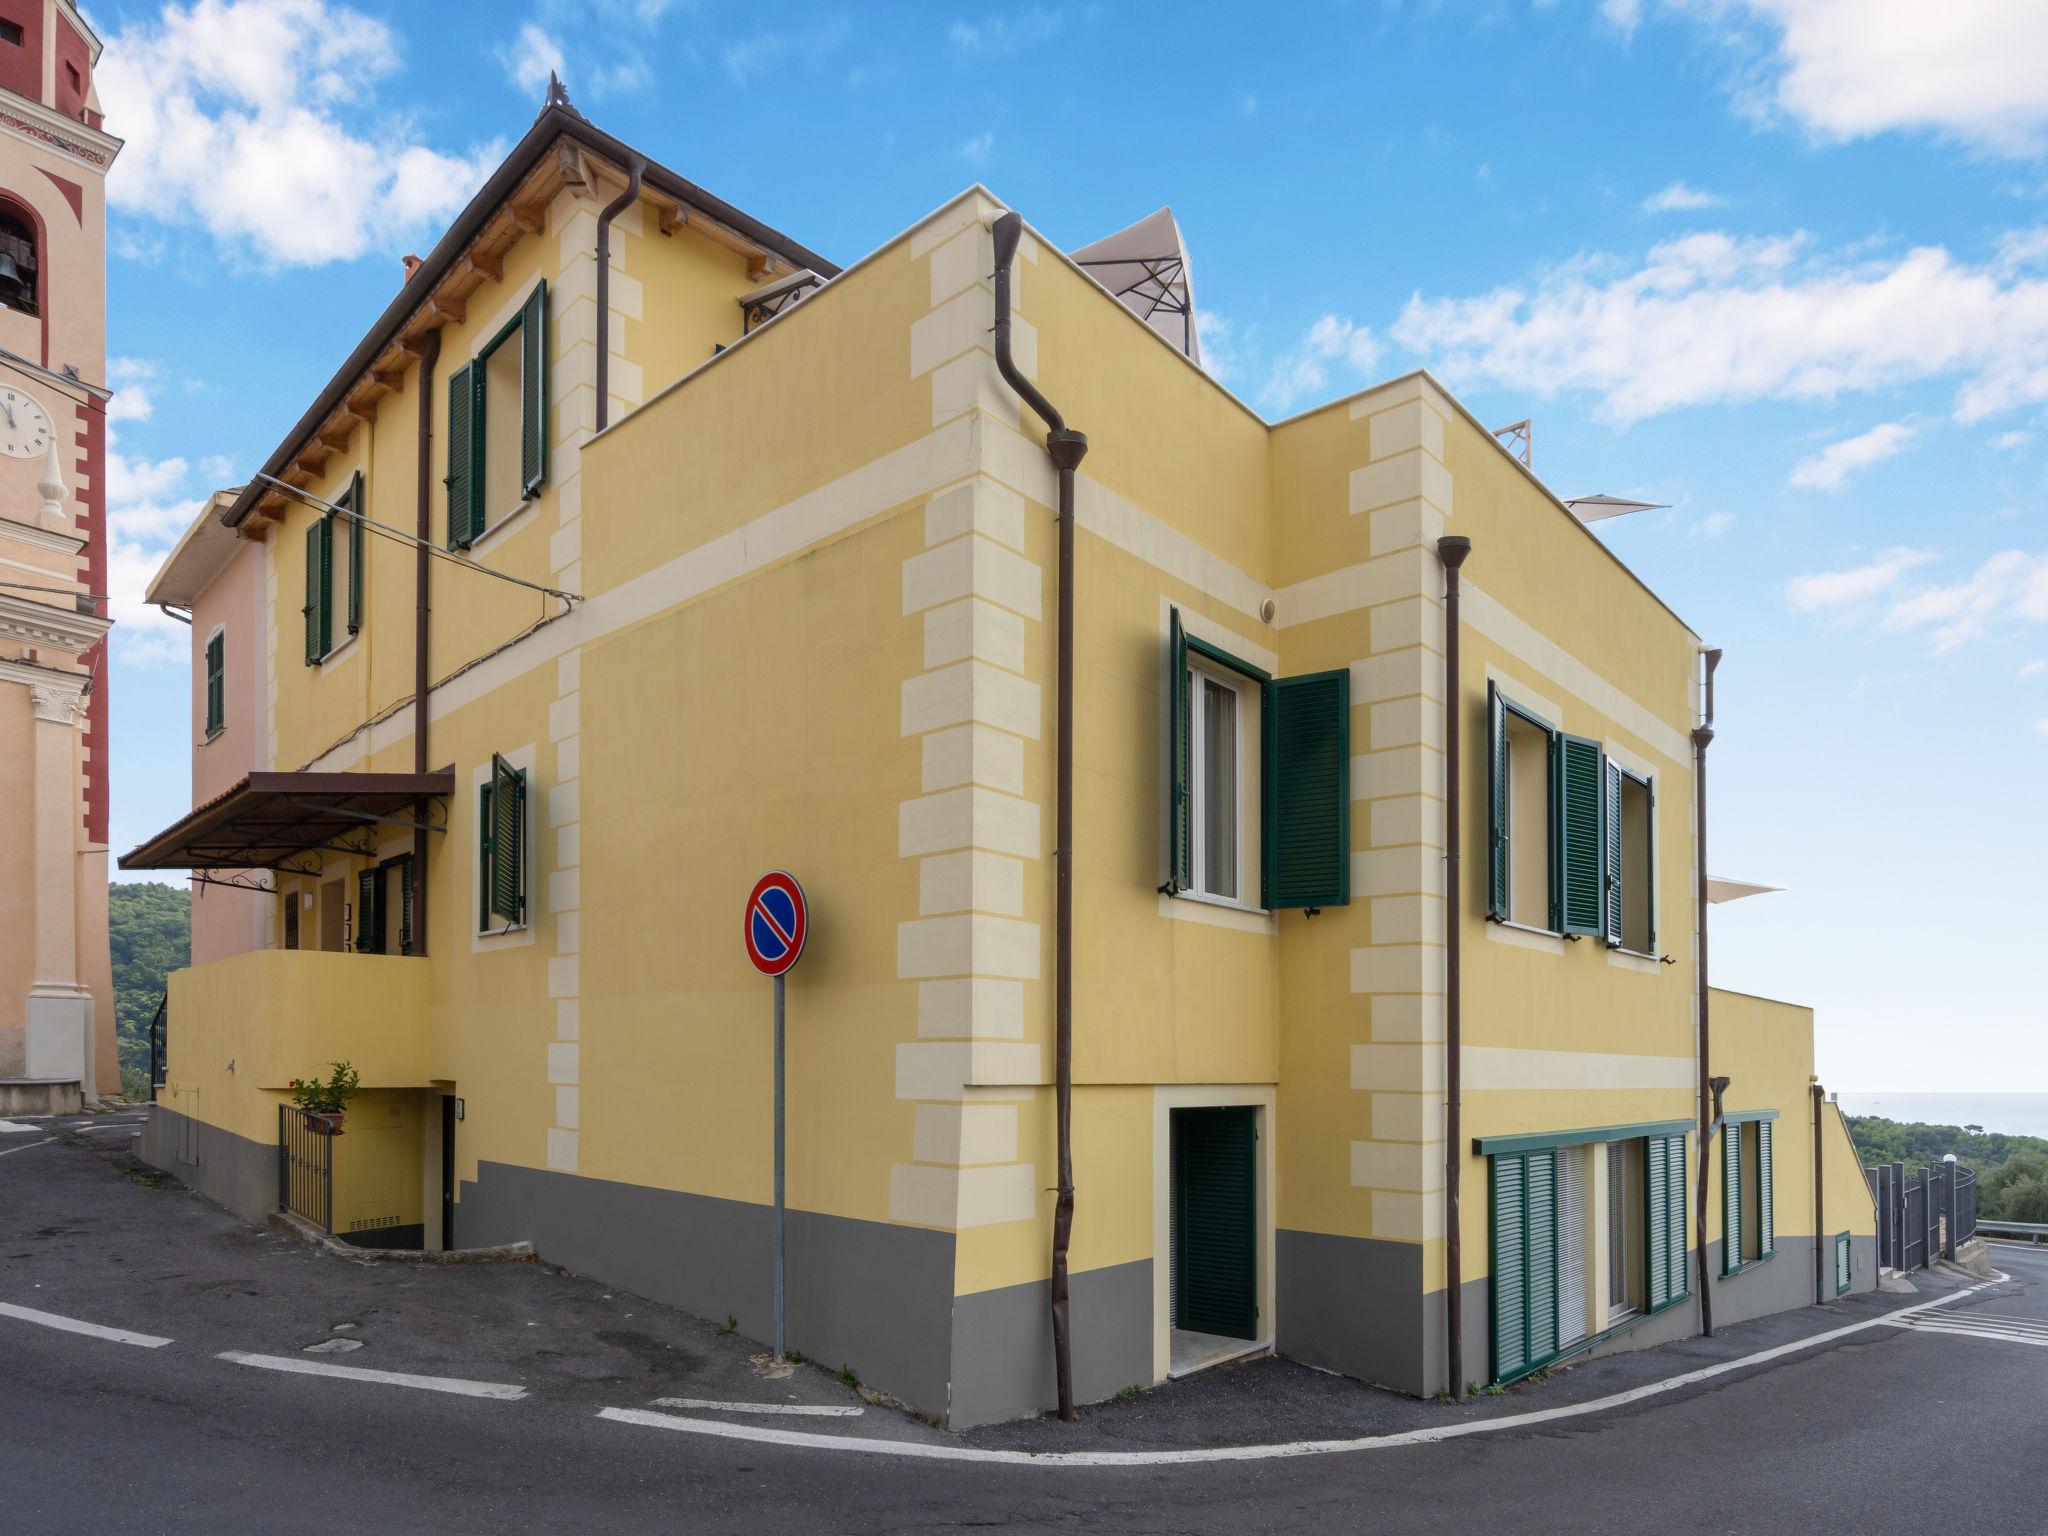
x,y
1166,1098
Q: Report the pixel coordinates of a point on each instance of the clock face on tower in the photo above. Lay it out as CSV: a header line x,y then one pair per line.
x,y
24,425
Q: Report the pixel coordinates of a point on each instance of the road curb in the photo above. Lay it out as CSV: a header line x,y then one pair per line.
x,y
309,1236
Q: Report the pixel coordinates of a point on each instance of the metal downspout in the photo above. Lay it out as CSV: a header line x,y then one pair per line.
x,y
1452,550
430,354
612,210
1820,1207
1701,736
1066,448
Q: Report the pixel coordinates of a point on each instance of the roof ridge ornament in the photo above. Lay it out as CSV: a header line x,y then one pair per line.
x,y
558,96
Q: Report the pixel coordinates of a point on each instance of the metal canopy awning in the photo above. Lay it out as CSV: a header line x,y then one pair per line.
x,y
270,820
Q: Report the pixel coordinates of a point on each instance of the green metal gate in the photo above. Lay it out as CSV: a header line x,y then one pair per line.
x,y
1215,1221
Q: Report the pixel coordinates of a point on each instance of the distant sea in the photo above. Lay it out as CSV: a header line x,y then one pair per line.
x,y
2016,1114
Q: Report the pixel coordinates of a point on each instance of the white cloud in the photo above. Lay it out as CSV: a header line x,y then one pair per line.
x,y
1680,198
996,35
251,119
1847,69
2041,726
975,151
1249,106
1825,590
2012,442
1624,14
218,470
2010,585
1304,369
2033,669
531,57
1715,318
1712,526
132,379
754,56
1830,469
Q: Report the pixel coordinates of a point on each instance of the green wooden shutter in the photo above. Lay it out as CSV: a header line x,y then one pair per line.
x,y
1650,866
1731,1198
485,859
1841,1263
1766,1224
319,590
1180,769
1611,855
1215,1249
1543,1256
369,912
404,867
1509,1260
216,684
1307,773
1496,804
533,391
1674,1215
507,894
1578,789
465,434
354,502
1656,1220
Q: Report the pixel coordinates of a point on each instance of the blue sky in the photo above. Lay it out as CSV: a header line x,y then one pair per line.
x,y
1780,263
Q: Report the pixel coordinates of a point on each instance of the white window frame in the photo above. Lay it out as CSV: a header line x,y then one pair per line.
x,y
1198,781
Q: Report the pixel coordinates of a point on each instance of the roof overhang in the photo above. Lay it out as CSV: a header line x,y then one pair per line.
x,y
562,148
270,820
201,554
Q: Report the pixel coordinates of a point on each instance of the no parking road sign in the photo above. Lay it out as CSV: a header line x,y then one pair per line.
x,y
776,923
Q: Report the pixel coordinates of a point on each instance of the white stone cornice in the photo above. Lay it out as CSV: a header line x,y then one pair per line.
x,y
34,623
34,123
41,538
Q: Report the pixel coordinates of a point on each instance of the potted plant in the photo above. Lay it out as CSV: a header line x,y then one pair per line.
x,y
325,1100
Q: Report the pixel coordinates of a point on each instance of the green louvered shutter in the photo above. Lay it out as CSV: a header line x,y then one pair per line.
x,y
1216,1221
1180,767
354,503
1510,1268
1731,1198
1841,1263
216,684
319,590
1674,1214
1766,1225
1307,830
1496,804
465,485
1543,1256
1656,1222
533,391
507,893
1611,848
1650,867
405,904
369,912
1579,862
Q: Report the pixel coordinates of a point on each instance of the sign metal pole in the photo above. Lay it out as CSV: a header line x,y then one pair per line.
x,y
778,1168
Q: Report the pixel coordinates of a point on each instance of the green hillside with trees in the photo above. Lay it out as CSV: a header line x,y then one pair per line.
x,y
149,928
2012,1171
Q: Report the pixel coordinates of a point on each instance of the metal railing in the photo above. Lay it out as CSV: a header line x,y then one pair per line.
x,y
305,1166
2035,1231
159,1045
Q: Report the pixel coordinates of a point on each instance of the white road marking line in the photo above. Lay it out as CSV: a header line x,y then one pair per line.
x,y
73,1325
1966,1328
715,1405
862,1445
30,1147
453,1384
9,1127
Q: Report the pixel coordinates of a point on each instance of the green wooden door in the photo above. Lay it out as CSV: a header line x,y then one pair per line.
x,y
1215,1215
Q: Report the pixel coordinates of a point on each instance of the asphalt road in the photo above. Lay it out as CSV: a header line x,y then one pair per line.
x,y
1885,1428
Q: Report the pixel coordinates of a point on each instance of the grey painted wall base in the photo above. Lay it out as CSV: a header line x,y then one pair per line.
x,y
1354,1305
1002,1343
231,1170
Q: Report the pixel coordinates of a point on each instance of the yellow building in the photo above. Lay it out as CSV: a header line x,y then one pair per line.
x,y
733,561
